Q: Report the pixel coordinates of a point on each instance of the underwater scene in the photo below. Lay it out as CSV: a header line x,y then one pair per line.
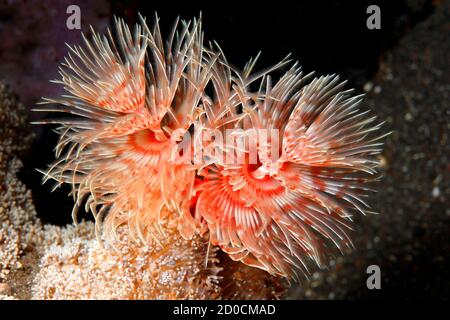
x,y
162,151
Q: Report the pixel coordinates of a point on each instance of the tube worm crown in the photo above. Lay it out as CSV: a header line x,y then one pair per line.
x,y
275,202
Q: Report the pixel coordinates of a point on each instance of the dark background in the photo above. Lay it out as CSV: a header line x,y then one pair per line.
x,y
403,68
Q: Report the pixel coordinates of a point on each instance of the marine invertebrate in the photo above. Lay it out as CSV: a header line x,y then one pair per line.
x,y
132,104
279,213
275,197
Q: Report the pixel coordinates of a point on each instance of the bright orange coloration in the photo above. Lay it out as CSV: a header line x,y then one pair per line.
x,y
277,216
138,98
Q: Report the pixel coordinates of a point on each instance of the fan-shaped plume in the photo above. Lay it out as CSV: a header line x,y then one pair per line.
x,y
130,95
281,211
171,130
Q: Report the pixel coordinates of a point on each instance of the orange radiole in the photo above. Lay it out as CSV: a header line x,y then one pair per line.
x,y
143,107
